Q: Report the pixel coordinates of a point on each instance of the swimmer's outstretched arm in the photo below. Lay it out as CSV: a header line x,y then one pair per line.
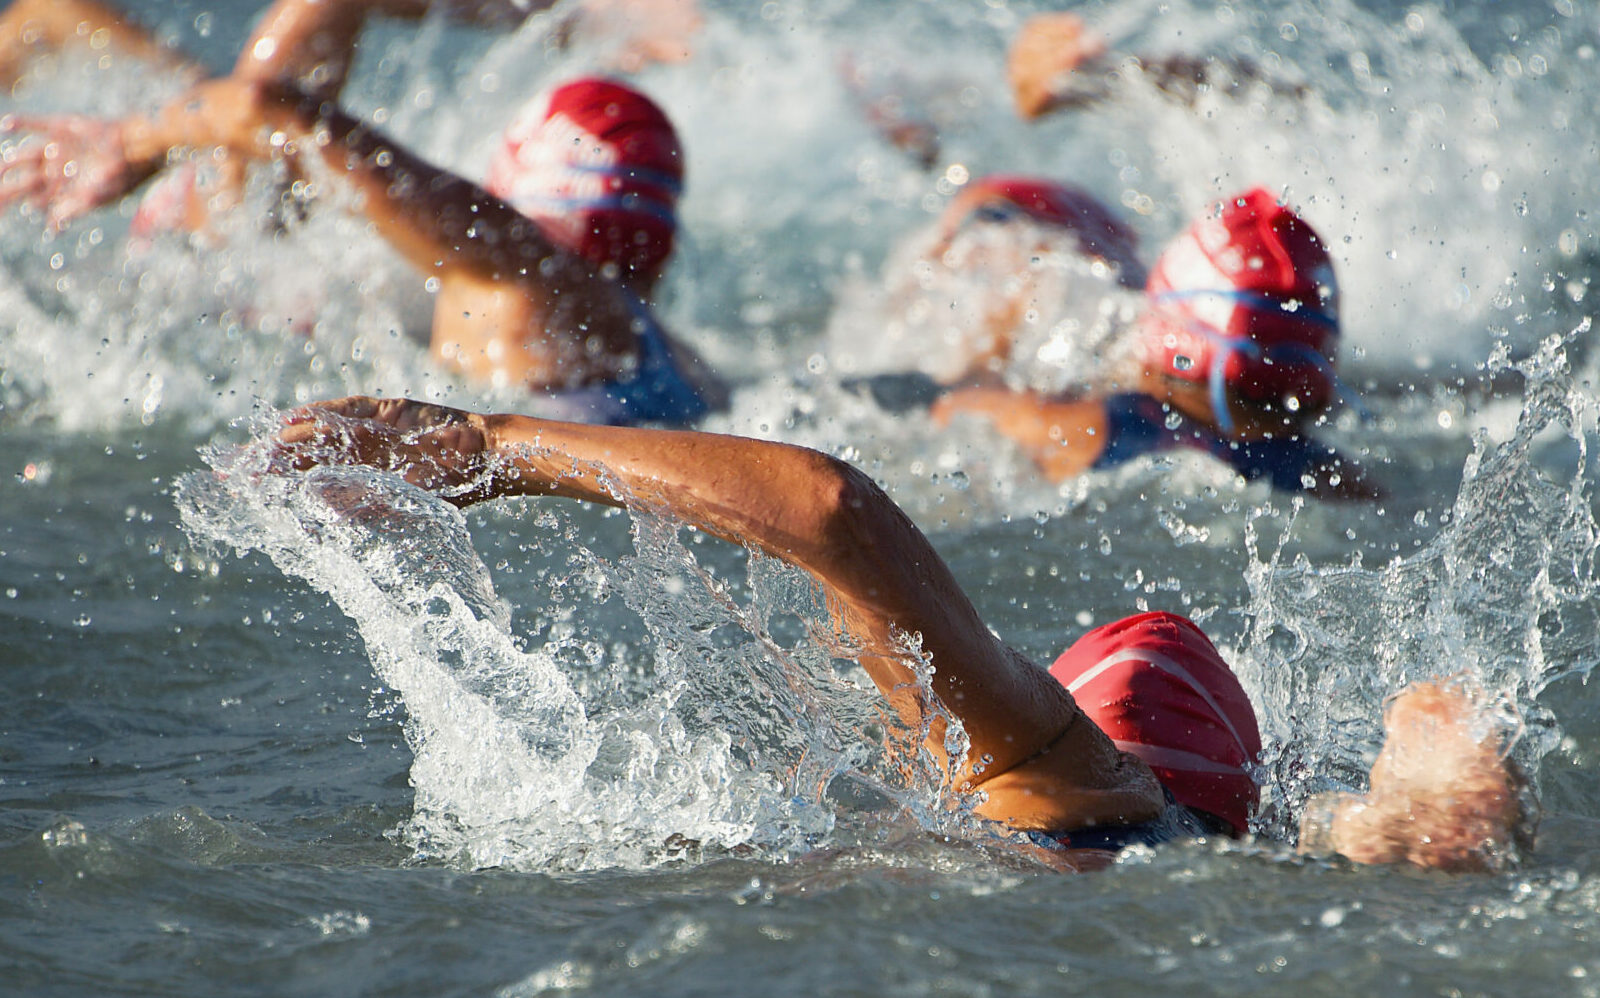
x,y
438,220
1047,767
508,277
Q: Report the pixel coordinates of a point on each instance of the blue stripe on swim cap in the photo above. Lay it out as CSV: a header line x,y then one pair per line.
x,y
1253,300
633,203
671,184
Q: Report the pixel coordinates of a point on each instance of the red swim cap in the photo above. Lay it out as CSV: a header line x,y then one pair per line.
x,y
598,166
1247,300
1157,686
1101,232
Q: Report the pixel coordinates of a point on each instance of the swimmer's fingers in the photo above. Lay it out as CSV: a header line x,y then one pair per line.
x,y
68,164
434,447
22,182
24,176
401,414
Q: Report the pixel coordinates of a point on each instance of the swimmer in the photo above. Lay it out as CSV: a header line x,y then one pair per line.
x,y
1231,353
542,279
1059,63
1138,733
308,45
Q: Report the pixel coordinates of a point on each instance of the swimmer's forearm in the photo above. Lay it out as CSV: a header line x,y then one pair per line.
x,y
214,114
750,492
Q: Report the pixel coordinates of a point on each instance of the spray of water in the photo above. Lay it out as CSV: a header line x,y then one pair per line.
x,y
715,733
1506,595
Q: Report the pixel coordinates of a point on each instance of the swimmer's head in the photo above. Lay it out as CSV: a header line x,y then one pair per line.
x,y
598,165
1245,303
1156,685
1001,198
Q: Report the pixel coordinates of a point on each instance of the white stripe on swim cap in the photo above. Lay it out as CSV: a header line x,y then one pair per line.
x,y
1171,758
1165,664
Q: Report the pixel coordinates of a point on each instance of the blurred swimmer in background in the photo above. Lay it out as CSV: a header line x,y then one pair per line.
x,y
544,273
1023,303
1055,63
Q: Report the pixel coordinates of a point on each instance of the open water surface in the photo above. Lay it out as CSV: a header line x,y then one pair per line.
x,y
328,736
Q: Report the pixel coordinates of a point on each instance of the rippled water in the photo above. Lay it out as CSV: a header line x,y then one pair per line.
x,y
254,748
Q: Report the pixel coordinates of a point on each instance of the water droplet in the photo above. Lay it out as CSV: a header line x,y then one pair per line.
x,y
64,834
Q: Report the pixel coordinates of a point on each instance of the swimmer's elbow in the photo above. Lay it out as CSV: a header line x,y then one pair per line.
x,y
842,508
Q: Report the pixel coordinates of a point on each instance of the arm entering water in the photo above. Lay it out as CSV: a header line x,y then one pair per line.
x,y
1040,762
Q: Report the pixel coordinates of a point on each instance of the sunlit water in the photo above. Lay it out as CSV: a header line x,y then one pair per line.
x,y
327,735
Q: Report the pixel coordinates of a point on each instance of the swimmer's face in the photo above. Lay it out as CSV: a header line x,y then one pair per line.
x,y
1251,419
1254,419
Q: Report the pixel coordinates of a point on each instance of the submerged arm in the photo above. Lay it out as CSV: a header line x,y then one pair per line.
x,y
1062,437
1047,767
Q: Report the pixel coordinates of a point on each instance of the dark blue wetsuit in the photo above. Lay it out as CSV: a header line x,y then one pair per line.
x,y
658,390
1174,822
1137,425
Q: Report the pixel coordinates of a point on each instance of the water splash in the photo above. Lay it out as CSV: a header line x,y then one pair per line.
x,y
716,733
1424,156
1507,594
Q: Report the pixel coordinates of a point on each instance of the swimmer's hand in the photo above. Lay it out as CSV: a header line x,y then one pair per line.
x,y
437,448
67,165
1444,794
1047,51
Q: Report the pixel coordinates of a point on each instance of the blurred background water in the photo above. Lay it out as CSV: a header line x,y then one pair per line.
x,y
252,748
